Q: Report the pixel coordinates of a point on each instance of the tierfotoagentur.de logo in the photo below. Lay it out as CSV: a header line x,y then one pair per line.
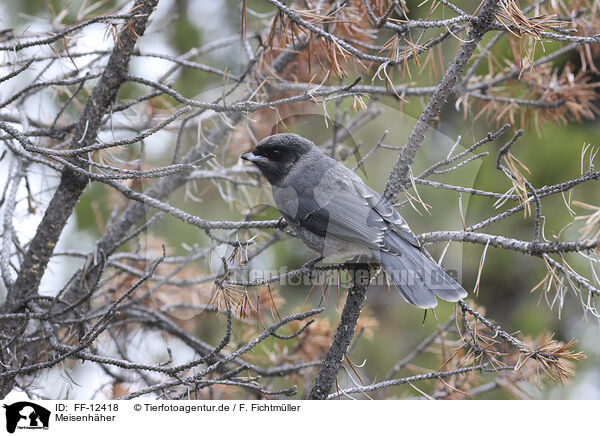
x,y
26,415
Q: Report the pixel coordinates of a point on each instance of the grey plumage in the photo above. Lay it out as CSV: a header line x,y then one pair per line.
x,y
334,213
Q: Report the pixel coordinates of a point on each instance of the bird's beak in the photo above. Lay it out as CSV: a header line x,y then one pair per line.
x,y
251,157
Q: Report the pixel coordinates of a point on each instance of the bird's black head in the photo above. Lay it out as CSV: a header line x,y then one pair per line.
x,y
276,155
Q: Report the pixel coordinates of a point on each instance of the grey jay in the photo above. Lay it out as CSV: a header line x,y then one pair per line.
x,y
335,214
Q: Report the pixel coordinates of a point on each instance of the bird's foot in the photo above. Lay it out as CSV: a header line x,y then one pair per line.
x,y
311,263
362,262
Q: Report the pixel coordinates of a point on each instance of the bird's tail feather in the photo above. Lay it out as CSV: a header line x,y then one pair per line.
x,y
418,279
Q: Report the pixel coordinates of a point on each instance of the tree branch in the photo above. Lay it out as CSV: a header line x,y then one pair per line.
x,y
399,177
361,275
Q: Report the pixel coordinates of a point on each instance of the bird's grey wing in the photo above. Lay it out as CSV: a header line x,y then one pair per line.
x,y
387,212
365,206
400,254
332,207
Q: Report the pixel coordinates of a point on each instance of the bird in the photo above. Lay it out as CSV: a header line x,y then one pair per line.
x,y
337,215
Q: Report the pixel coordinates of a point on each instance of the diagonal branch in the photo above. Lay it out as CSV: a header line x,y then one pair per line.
x,y
344,333
399,177
71,184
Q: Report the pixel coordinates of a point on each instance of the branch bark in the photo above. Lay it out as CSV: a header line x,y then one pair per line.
x,y
361,276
